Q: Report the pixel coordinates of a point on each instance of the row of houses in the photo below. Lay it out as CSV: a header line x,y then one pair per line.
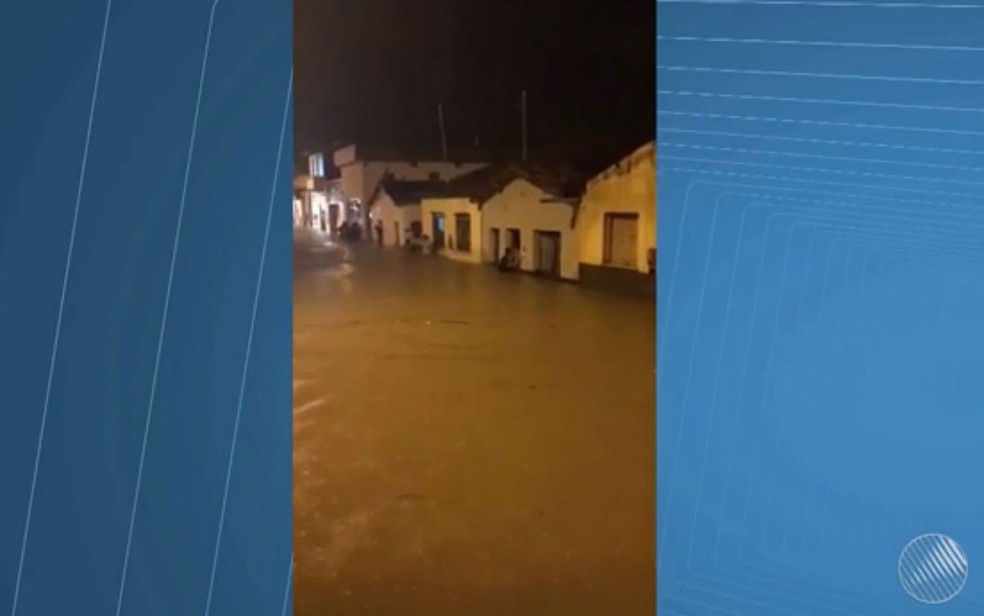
x,y
598,230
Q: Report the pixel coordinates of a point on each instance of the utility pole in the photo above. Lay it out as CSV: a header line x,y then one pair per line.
x,y
444,136
525,129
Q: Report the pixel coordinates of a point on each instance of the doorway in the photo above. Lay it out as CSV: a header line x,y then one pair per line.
x,y
437,227
547,253
396,234
621,238
493,255
462,232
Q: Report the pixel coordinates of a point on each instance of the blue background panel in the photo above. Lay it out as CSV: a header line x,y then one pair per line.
x,y
821,286
167,127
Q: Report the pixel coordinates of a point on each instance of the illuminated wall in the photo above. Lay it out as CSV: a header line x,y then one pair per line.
x,y
298,212
390,214
450,207
628,187
520,206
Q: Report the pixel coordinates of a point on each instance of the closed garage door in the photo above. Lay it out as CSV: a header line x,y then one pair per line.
x,y
547,256
621,239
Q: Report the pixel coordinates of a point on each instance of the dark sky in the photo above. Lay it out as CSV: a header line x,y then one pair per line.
x,y
373,71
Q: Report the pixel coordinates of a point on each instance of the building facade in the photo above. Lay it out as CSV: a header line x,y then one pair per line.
x,y
617,223
318,202
454,226
363,168
529,208
396,209
535,221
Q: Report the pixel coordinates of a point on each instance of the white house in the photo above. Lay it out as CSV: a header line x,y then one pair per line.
x,y
454,226
395,206
362,168
526,207
616,224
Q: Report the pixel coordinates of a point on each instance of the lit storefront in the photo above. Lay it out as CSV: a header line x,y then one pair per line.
x,y
318,204
325,212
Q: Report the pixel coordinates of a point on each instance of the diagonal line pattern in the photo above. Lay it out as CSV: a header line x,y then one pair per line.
x,y
859,144
61,311
249,348
167,305
818,101
287,589
845,204
866,232
852,159
815,75
758,177
816,43
778,120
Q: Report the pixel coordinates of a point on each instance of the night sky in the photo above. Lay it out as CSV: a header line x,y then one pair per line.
x,y
373,71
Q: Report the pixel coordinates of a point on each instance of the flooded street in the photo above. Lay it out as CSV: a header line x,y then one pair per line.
x,y
469,443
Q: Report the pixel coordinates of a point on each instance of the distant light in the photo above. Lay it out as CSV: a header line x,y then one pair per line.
x,y
316,165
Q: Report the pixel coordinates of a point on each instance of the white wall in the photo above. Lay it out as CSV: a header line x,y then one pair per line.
x,y
298,212
629,187
519,206
450,207
352,181
389,213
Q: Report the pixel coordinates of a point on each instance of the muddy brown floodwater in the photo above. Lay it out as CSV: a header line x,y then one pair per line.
x,y
468,443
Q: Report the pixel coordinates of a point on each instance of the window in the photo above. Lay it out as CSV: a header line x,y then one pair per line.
x,y
621,237
462,232
316,165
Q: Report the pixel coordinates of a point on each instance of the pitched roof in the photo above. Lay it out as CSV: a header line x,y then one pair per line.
x,y
406,192
483,184
647,150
